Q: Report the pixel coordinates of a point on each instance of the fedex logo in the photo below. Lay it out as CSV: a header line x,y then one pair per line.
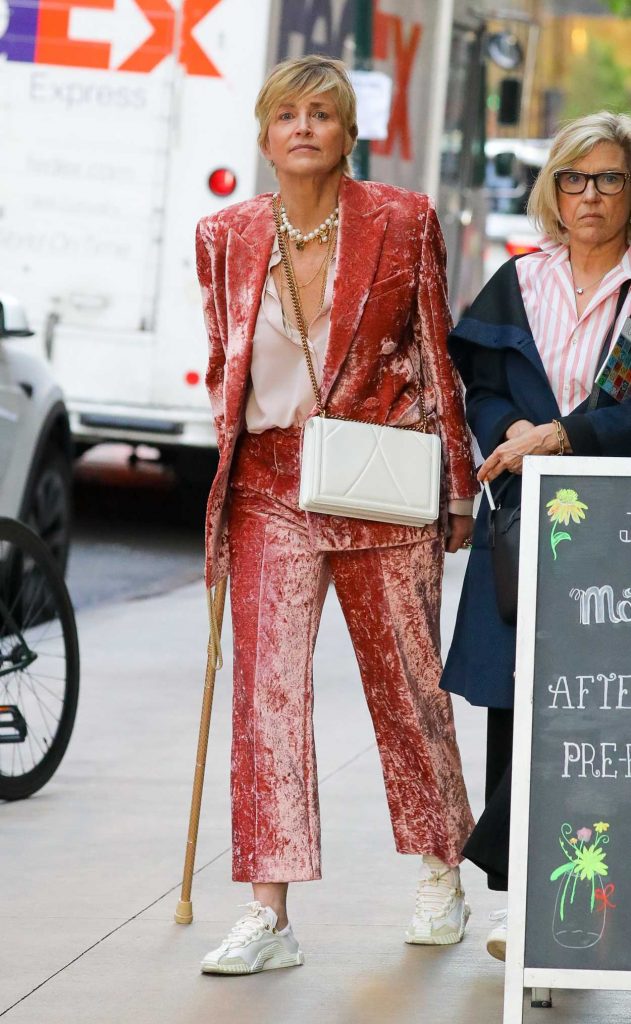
x,y
83,33
390,40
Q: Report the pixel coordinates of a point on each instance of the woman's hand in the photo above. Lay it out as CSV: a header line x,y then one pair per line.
x,y
459,530
517,428
523,439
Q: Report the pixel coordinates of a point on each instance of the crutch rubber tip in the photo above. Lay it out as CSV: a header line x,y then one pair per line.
x,y
184,912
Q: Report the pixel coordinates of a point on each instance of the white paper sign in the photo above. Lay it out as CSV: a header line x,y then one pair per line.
x,y
374,96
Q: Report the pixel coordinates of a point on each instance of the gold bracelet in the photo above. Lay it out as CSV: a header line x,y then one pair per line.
x,y
560,437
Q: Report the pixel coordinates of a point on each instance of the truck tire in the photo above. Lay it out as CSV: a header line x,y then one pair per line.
x,y
48,503
196,466
195,469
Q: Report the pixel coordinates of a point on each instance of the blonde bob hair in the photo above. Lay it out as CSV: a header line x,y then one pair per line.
x,y
575,140
305,76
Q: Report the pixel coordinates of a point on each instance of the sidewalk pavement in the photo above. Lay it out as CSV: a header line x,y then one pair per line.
x,y
91,865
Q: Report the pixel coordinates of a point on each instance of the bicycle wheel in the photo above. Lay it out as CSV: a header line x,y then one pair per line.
x,y
39,662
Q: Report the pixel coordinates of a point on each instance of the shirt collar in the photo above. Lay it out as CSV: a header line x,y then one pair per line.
x,y
557,252
558,262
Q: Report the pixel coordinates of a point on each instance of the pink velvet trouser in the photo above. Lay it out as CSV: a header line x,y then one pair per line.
x,y
390,598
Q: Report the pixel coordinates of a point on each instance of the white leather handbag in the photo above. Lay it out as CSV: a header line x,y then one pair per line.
x,y
367,471
360,469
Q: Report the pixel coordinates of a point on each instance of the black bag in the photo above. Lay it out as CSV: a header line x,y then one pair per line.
x,y
505,522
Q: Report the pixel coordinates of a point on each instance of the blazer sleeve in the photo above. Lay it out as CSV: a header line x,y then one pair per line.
x,y
603,431
435,324
216,353
489,408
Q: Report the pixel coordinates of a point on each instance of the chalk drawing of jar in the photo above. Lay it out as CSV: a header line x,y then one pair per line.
x,y
579,917
583,896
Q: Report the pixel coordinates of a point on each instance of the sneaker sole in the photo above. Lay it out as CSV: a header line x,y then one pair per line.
x,y
497,948
295,960
272,963
449,939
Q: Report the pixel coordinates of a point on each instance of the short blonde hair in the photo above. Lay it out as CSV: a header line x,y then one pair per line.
x,y
305,76
575,140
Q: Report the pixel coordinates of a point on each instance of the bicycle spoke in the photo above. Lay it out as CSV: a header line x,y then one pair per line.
x,y
40,702
30,743
22,710
39,640
40,675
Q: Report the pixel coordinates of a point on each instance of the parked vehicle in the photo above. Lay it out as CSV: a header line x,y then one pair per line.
x,y
512,166
35,441
122,124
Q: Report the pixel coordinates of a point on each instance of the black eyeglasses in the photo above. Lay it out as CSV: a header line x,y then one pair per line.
x,y
608,183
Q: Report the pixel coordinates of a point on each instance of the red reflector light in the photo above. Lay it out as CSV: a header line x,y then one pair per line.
x,y
192,377
222,182
520,248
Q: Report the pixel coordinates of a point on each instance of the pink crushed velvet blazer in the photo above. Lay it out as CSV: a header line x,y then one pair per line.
x,y
389,320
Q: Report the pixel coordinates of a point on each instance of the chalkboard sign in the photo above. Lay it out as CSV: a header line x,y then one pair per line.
x,y
570,863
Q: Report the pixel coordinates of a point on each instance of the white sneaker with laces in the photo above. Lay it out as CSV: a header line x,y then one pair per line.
x,y
496,939
440,912
254,945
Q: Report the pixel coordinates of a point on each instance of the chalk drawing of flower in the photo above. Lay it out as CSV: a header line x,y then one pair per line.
x,y
582,862
564,507
590,861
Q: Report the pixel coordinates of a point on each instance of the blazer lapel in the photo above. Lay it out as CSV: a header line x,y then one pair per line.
x,y
497,319
361,233
247,259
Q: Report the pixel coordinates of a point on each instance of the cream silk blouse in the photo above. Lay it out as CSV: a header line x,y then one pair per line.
x,y
281,394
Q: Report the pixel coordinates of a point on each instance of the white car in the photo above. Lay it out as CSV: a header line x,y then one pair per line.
x,y
512,166
35,442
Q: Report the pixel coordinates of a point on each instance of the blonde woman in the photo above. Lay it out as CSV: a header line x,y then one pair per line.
x,y
529,351
370,264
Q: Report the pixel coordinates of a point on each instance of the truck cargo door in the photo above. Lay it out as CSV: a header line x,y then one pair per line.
x,y
82,175
82,166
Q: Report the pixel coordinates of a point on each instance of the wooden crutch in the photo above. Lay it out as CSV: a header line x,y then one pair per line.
x,y
184,910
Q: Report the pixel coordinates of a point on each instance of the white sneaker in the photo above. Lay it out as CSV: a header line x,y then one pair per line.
x,y
254,945
496,939
440,912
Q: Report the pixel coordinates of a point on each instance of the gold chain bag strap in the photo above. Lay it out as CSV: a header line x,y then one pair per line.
x,y
356,468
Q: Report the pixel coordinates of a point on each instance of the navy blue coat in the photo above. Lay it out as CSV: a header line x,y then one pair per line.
x,y
497,358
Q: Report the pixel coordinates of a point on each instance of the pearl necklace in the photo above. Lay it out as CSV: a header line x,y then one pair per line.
x,y
321,232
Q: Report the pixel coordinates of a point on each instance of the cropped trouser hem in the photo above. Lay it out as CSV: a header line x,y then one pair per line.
x,y
487,846
390,598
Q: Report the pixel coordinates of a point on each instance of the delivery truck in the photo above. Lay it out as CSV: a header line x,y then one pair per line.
x,y
124,121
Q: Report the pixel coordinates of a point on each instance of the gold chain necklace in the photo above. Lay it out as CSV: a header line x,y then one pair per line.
x,y
323,266
306,284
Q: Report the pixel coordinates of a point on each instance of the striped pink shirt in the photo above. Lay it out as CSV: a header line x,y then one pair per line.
x,y
569,347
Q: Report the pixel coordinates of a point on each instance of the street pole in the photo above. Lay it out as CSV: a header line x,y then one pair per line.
x,y
363,62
